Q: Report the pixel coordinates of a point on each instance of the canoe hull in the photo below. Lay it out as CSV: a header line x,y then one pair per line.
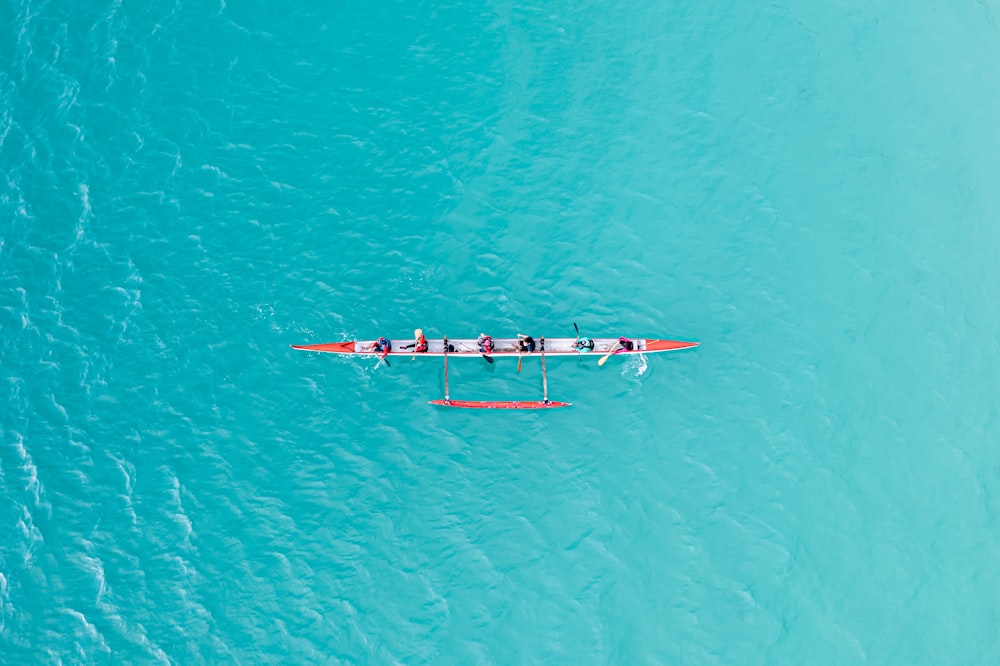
x,y
504,347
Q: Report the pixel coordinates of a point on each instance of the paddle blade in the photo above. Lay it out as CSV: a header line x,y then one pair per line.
x,y
488,359
519,359
611,351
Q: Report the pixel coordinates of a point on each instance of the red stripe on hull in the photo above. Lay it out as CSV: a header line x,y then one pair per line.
x,y
500,404
335,347
666,345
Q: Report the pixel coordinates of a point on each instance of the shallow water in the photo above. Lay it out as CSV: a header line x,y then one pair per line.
x,y
809,191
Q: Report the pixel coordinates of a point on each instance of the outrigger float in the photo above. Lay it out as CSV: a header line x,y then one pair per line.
x,y
502,347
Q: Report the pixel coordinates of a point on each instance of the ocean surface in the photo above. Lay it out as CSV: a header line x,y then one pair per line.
x,y
808,189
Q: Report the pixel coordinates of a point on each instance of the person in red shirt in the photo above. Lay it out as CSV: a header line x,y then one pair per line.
x,y
419,342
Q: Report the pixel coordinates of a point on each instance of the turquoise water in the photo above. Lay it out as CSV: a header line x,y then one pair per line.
x,y
808,190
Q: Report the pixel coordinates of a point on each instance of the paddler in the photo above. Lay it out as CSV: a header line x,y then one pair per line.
x,y
485,344
582,345
624,344
525,343
382,346
419,342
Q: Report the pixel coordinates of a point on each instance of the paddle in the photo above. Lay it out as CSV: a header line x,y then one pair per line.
x,y
604,359
519,355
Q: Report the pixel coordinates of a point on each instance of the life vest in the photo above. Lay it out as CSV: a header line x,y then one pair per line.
x,y
421,344
383,345
486,344
584,345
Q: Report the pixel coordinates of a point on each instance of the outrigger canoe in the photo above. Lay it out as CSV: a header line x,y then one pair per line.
x,y
501,347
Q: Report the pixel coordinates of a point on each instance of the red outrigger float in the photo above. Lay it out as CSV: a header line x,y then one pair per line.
x,y
503,347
